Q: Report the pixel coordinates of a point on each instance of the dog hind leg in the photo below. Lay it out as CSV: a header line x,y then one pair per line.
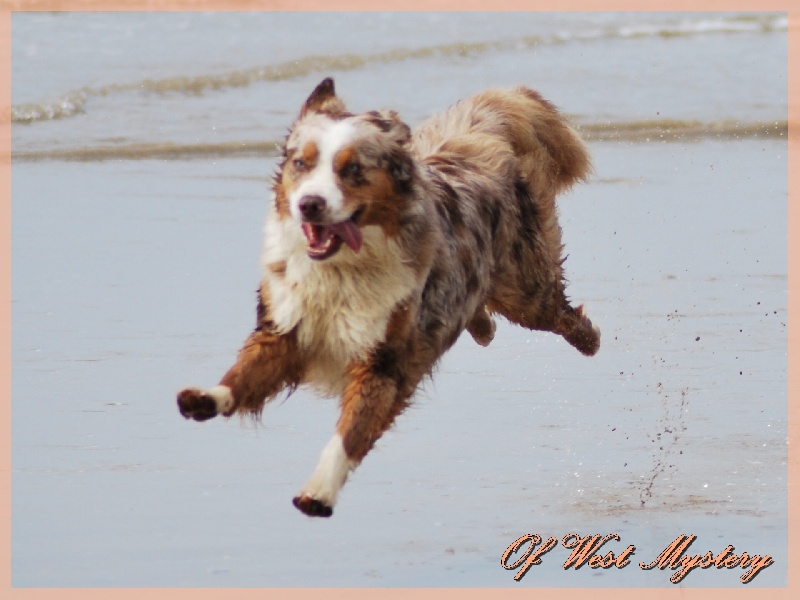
x,y
549,310
529,288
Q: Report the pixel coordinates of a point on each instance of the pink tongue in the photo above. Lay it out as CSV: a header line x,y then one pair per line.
x,y
349,232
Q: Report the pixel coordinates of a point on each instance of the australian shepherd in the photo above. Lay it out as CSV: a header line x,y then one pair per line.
x,y
382,245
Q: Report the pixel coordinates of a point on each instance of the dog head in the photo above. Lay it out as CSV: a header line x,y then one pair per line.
x,y
341,172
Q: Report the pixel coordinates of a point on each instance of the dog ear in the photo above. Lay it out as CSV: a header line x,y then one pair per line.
x,y
323,99
400,166
390,123
397,160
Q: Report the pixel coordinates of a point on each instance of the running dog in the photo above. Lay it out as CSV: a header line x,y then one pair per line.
x,y
383,245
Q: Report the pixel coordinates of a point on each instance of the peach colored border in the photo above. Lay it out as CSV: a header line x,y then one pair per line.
x,y
6,6
5,299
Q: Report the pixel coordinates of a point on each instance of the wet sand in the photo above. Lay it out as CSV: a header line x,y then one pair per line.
x,y
133,279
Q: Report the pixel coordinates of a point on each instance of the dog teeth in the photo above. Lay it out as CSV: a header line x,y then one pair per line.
x,y
321,250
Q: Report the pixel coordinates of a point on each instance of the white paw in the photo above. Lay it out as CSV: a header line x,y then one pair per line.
x,y
321,491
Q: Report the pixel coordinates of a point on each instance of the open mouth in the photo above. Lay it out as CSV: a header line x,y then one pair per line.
x,y
324,240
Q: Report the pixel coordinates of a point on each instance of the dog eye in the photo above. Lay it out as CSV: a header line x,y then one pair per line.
x,y
352,169
299,163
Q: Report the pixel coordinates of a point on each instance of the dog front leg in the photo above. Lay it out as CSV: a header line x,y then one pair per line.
x,y
371,401
266,364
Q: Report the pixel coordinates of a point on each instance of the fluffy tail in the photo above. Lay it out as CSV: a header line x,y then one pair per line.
x,y
549,149
505,130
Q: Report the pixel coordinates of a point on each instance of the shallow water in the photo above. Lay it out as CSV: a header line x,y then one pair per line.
x,y
134,276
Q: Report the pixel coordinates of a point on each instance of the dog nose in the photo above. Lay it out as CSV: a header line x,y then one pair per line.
x,y
311,207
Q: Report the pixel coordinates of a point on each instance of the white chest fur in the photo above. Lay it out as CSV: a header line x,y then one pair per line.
x,y
341,306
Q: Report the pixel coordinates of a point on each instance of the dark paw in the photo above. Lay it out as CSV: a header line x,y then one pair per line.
x,y
312,507
585,337
196,404
482,328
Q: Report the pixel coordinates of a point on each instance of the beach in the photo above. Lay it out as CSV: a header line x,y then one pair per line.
x,y
140,181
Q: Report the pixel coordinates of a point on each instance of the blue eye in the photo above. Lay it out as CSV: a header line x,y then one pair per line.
x,y
352,169
299,163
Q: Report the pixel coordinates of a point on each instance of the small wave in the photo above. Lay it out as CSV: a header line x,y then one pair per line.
x,y
74,103
66,106
153,151
634,131
669,130
766,23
